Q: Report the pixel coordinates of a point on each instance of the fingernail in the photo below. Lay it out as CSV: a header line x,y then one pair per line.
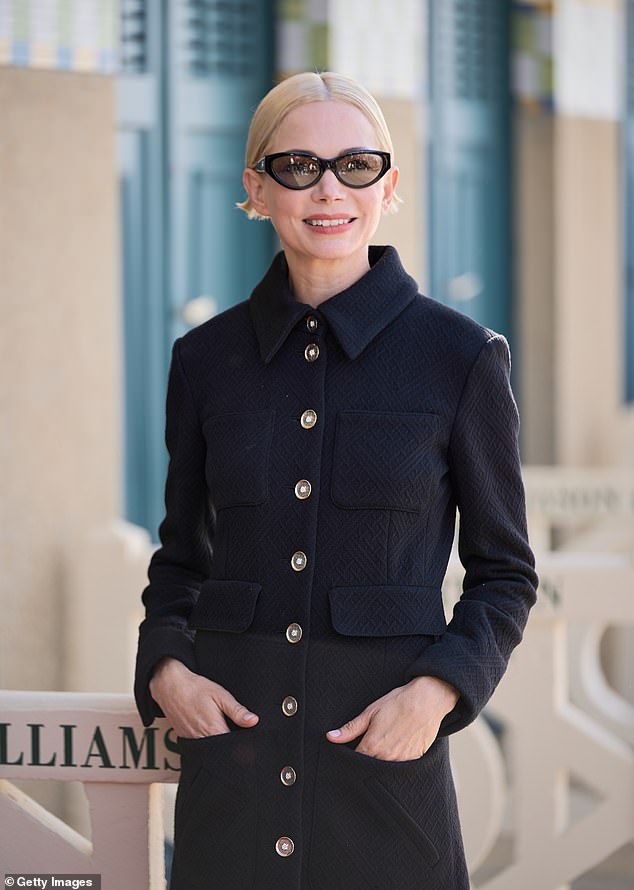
x,y
249,716
335,733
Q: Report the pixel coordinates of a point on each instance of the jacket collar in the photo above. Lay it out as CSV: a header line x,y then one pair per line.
x,y
356,315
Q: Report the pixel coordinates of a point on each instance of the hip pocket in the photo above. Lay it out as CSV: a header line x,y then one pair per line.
x,y
373,823
216,812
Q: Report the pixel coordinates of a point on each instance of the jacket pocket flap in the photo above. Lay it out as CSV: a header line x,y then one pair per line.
x,y
386,611
225,605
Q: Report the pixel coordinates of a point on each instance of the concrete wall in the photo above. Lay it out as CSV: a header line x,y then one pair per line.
x,y
60,346
569,291
591,417
406,229
569,249
533,293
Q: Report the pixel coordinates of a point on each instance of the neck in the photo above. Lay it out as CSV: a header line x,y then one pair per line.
x,y
314,280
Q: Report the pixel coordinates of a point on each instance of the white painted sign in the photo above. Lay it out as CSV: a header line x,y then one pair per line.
x,y
565,493
85,738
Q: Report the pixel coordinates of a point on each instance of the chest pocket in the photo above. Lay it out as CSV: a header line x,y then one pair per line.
x,y
384,460
237,465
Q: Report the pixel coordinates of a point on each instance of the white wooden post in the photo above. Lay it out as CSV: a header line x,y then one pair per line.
x,y
99,740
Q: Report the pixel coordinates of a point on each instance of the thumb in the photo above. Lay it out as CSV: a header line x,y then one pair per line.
x,y
237,712
351,729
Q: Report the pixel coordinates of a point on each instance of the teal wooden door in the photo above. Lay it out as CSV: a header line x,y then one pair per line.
x,y
220,64
141,159
191,74
469,159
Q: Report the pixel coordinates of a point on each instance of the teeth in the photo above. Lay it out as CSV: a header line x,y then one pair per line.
x,y
327,222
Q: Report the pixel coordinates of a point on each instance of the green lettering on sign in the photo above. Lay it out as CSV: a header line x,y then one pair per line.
x,y
98,742
172,746
67,729
4,747
35,747
129,743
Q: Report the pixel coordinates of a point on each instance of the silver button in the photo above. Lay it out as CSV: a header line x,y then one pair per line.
x,y
311,323
311,353
284,846
308,418
302,489
299,560
294,632
288,776
289,706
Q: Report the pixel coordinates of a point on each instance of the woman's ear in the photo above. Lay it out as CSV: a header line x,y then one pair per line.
x,y
390,179
254,187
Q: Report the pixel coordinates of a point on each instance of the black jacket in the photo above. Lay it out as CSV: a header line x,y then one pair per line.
x,y
317,458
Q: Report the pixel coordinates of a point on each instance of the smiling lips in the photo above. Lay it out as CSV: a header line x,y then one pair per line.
x,y
328,224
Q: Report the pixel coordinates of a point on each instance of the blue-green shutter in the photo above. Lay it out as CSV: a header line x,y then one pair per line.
x,y
469,159
191,75
141,158
220,66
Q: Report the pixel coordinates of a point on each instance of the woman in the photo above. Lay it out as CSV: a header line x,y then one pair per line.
x,y
321,435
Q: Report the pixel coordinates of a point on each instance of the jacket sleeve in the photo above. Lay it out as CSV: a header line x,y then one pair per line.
x,y
183,558
500,583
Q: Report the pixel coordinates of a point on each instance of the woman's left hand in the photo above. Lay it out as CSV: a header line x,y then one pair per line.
x,y
404,723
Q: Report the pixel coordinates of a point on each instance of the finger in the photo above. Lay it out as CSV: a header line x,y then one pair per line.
x,y
351,729
237,712
199,730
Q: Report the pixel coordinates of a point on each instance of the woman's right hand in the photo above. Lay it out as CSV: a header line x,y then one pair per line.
x,y
195,706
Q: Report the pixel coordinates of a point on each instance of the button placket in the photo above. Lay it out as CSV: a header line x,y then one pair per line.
x,y
302,489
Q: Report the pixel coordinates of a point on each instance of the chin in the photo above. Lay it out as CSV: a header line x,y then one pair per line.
x,y
335,251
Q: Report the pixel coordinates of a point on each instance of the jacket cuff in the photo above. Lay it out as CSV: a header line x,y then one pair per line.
x,y
158,643
447,662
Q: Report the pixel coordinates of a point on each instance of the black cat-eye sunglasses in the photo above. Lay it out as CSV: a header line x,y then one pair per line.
x,y
301,170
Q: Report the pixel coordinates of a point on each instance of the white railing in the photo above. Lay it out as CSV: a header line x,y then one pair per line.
x,y
571,784
96,739
549,743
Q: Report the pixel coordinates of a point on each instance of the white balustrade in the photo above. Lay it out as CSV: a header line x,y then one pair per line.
x,y
96,739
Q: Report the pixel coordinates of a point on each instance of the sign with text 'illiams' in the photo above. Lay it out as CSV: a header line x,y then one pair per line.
x,y
85,737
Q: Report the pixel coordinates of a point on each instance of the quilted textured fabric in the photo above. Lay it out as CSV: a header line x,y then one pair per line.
x,y
404,416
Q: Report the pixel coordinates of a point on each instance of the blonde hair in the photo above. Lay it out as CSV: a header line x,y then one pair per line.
x,y
300,89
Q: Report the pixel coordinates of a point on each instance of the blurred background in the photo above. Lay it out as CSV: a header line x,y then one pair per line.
x,y
122,131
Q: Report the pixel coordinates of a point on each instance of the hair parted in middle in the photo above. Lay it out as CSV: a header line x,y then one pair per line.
x,y
301,89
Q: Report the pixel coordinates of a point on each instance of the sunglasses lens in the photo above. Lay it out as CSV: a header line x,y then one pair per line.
x,y
295,171
360,168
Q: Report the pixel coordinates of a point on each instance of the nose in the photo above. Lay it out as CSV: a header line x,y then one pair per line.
x,y
328,189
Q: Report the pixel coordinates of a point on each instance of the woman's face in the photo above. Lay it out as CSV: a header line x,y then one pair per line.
x,y
325,129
